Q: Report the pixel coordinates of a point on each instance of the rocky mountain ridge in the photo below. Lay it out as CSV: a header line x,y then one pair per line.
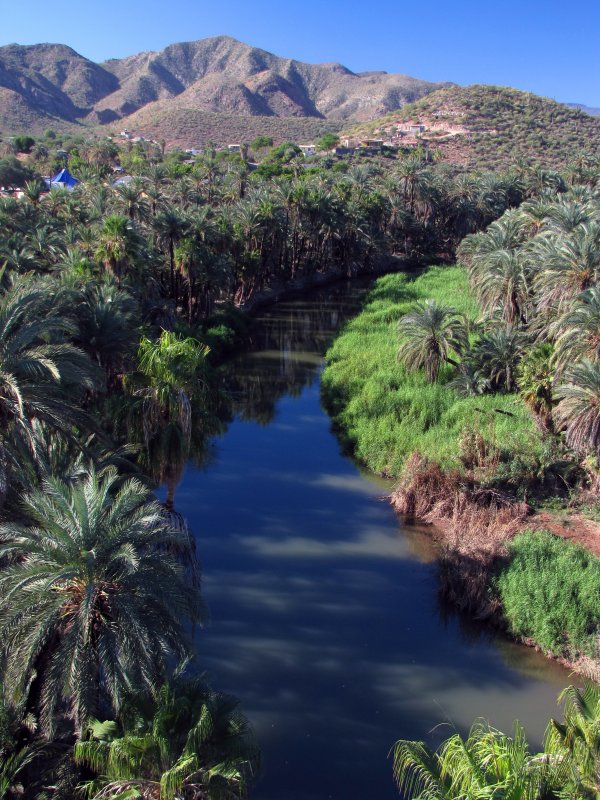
x,y
43,83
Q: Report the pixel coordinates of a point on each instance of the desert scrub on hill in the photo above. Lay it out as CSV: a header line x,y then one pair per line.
x,y
550,592
386,412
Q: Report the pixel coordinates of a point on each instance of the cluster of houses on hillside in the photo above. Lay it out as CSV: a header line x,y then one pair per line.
x,y
395,136
125,134
406,135
388,139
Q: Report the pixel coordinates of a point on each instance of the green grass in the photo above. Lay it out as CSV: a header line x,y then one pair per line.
x,y
550,591
384,412
591,511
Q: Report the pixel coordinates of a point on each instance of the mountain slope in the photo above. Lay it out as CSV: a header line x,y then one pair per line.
x,y
193,127
249,80
488,126
216,74
49,80
593,112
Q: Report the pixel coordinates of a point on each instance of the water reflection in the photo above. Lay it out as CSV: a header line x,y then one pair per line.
x,y
286,347
325,619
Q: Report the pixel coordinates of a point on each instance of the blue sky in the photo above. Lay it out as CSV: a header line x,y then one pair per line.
x,y
550,48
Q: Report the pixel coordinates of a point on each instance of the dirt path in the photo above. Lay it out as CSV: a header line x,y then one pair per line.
x,y
570,525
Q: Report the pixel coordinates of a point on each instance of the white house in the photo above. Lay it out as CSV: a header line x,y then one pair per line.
x,y
411,127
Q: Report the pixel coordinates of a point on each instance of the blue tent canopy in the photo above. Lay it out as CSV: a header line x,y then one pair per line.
x,y
64,178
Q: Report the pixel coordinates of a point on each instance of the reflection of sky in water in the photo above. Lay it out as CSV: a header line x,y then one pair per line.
x,y
324,618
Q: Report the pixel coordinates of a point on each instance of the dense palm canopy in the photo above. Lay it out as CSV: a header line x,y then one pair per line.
x,y
538,267
191,742
579,406
487,764
92,601
577,332
42,374
569,264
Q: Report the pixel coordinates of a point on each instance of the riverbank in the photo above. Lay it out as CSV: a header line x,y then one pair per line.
x,y
227,328
469,465
318,598
285,290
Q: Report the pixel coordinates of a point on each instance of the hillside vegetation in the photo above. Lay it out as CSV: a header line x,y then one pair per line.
x,y
491,126
186,127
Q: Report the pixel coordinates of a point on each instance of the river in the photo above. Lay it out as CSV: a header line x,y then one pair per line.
x,y
324,618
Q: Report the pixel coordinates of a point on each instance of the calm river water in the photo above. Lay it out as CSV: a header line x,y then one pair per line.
x,y
324,618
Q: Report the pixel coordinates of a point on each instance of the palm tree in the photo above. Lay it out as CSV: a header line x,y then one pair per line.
x,y
577,739
498,354
535,378
170,227
505,285
570,264
430,332
130,198
42,375
506,234
408,171
578,330
117,244
93,601
173,378
578,411
469,381
565,214
16,757
190,742
487,764
33,191
12,769
106,318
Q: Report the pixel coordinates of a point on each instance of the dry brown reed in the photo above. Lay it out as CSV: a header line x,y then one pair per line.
x,y
473,522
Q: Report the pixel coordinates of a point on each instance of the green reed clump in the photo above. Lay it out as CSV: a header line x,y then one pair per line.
x,y
550,592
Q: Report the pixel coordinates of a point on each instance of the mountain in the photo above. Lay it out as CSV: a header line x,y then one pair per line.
x,y
51,83
228,91
492,126
593,112
44,82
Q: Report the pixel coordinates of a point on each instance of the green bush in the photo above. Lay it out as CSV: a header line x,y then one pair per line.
x,y
550,592
23,143
220,339
13,173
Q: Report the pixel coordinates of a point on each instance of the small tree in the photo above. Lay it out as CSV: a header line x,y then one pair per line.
x,y
429,333
261,142
328,141
23,143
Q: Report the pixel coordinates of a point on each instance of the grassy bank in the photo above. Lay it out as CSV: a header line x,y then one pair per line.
x,y
385,412
464,464
550,593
